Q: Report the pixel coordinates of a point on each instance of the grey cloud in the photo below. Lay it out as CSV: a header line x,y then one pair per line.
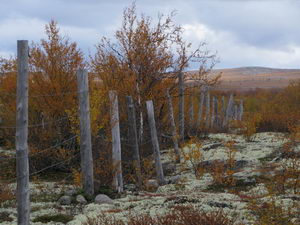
x,y
263,25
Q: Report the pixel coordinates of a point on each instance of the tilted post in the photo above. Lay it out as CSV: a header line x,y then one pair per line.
x,y
85,132
200,109
155,144
207,114
133,139
213,112
23,200
173,126
116,142
181,106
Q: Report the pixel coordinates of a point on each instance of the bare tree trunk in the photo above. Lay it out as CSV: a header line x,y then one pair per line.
x,y
23,198
207,116
85,132
141,119
173,127
133,139
155,144
116,142
181,106
200,110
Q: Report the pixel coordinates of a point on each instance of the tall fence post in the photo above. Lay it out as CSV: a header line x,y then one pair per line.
x,y
173,126
85,132
191,114
155,144
223,113
181,106
133,139
229,111
241,110
200,109
216,113
207,116
23,200
116,142
213,112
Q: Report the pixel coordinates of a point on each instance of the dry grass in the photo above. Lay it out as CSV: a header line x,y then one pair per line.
x,y
179,215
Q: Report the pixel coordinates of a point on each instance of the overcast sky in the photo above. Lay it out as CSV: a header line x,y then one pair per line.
x,y
243,32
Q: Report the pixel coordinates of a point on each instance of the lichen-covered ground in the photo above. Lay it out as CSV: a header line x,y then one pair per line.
x,y
256,162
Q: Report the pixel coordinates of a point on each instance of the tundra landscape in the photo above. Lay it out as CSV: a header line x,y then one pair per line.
x,y
129,133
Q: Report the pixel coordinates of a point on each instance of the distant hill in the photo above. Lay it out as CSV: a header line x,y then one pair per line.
x,y
251,78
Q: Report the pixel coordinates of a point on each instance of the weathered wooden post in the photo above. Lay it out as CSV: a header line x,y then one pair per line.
x,y
200,109
223,113
155,144
212,119
133,139
173,126
85,132
207,116
116,142
229,111
236,112
241,110
181,106
191,114
23,201
216,113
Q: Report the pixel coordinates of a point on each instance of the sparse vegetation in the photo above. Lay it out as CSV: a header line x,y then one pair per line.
x,y
59,218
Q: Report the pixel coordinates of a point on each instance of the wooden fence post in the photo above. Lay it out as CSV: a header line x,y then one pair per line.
x,y
207,116
241,110
23,199
116,142
236,112
200,110
213,112
191,114
216,113
85,132
181,106
223,113
229,110
133,139
155,144
173,126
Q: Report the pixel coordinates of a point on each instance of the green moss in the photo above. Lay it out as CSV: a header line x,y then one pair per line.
x,y
62,218
45,197
240,185
4,217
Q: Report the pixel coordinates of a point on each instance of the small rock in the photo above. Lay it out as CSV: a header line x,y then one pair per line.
x,y
152,185
81,199
169,168
70,192
103,199
65,200
219,204
211,146
130,187
174,179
